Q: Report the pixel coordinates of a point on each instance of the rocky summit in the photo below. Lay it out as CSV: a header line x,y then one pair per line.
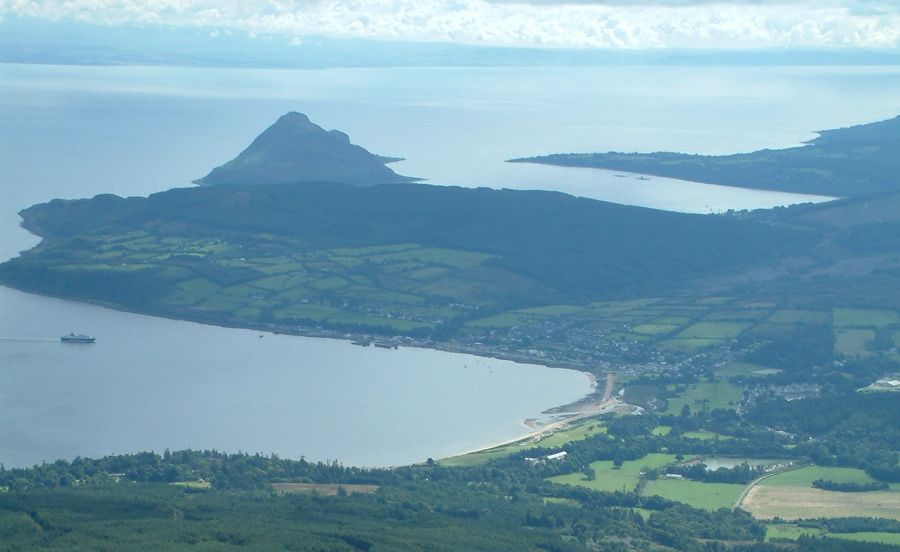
x,y
296,150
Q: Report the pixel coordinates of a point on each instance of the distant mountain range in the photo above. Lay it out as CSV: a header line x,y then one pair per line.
x,y
295,150
855,161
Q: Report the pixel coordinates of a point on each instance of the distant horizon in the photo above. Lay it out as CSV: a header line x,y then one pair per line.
x,y
611,24
67,42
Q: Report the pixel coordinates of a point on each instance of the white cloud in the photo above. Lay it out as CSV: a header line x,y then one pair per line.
x,y
607,23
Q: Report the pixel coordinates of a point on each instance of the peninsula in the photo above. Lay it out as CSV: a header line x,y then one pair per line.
x,y
855,161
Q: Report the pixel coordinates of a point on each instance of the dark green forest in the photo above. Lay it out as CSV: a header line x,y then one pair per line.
x,y
212,500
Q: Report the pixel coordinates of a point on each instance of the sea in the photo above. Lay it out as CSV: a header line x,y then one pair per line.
x,y
152,383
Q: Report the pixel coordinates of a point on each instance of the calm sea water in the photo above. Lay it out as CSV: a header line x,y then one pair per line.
x,y
152,383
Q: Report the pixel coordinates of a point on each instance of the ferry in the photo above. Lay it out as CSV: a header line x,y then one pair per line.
x,y
77,338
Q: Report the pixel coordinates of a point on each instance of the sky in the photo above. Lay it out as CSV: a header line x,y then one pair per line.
x,y
616,24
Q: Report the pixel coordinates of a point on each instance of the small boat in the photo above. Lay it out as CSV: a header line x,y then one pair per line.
x,y
77,338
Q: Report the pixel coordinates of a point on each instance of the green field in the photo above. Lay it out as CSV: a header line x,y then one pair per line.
x,y
505,320
611,480
796,316
705,435
689,344
804,477
790,531
654,329
373,288
671,320
864,318
852,342
790,495
700,396
748,315
713,330
707,496
552,310
793,532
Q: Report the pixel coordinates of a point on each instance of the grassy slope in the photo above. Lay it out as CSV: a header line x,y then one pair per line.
x,y
311,252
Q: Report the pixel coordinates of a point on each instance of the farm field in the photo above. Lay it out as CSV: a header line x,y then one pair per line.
x,y
790,495
864,318
706,496
611,480
397,288
700,396
793,532
705,435
852,342
713,330
804,477
776,531
768,502
797,316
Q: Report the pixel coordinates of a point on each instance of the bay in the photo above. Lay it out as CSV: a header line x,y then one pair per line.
x,y
151,383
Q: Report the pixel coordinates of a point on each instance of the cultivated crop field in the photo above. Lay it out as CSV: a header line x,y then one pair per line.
x,y
768,502
398,288
790,495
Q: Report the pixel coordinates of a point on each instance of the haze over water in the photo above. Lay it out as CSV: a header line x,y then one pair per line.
x,y
74,132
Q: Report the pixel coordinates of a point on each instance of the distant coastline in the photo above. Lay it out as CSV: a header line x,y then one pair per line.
x,y
845,162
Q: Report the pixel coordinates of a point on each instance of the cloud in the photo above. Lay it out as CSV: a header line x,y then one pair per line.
x,y
553,23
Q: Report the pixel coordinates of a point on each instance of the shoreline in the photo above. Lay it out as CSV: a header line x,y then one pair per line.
x,y
591,404
610,407
299,331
